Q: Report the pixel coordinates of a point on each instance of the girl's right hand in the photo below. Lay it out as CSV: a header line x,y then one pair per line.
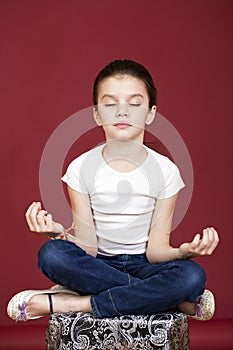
x,y
41,221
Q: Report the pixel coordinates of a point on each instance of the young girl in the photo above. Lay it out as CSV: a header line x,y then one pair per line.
x,y
123,196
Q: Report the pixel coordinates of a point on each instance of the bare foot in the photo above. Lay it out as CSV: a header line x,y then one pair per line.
x,y
38,305
188,308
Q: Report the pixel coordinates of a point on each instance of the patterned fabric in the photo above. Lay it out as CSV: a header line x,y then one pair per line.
x,y
81,331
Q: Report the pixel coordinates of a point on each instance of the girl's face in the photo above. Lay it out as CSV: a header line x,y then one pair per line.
x,y
123,108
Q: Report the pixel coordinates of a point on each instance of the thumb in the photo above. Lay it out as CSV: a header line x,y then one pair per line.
x,y
58,227
196,240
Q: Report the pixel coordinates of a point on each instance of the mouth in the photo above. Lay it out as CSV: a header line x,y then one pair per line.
x,y
122,125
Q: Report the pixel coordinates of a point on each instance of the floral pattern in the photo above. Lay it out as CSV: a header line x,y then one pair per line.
x,y
82,331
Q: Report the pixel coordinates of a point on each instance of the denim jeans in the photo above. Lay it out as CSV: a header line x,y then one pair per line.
x,y
122,284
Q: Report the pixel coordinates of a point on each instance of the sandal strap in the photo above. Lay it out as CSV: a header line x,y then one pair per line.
x,y
199,306
50,303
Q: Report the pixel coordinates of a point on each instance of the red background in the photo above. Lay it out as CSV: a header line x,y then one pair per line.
x,y
50,54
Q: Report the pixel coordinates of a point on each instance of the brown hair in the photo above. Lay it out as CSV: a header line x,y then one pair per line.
x,y
126,67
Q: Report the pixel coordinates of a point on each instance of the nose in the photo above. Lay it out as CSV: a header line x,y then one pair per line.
x,y
122,110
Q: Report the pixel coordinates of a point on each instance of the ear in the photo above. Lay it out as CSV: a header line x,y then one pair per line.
x,y
97,116
151,115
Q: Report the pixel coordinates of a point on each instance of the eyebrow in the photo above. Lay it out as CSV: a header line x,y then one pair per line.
x,y
130,96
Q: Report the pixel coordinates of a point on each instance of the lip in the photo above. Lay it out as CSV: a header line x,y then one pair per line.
x,y
122,125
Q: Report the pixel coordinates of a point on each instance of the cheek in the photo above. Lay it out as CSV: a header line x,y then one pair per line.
x,y
108,114
107,119
137,117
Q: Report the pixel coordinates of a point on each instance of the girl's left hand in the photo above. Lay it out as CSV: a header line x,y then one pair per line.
x,y
200,245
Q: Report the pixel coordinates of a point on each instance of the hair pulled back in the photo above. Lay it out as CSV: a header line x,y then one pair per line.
x,y
126,67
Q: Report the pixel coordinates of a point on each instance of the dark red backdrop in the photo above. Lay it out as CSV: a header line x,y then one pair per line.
x,y
50,53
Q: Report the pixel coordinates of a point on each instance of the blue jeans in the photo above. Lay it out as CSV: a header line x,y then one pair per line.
x,y
122,284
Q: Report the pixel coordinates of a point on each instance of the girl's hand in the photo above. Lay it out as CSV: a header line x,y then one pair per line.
x,y
41,221
201,245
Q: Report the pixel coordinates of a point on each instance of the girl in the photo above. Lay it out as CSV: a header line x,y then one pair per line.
x,y
123,196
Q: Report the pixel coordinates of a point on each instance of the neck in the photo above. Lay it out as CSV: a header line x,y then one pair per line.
x,y
124,155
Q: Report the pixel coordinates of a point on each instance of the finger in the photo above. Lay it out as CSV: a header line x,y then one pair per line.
x,y
197,244
216,236
196,238
196,241
205,237
49,223
29,208
41,220
215,241
28,215
34,204
28,212
211,236
204,245
207,241
33,217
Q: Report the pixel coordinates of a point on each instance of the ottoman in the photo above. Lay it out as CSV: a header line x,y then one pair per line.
x,y
82,331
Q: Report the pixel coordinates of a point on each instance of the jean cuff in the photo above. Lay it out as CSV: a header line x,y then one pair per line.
x,y
108,308
94,307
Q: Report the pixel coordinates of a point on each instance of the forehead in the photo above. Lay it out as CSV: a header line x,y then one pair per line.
x,y
122,85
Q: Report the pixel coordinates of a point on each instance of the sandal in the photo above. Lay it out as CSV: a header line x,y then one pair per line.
x,y
16,308
205,306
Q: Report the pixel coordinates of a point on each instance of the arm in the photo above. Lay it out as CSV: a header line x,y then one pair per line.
x,y
159,248
83,221
40,221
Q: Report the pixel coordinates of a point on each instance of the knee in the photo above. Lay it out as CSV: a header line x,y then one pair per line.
x,y
194,275
51,254
46,254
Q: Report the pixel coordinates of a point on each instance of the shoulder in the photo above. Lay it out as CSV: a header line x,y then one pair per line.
x,y
81,170
162,161
86,157
170,179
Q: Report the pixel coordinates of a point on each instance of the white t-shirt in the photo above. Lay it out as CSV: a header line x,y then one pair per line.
x,y
123,202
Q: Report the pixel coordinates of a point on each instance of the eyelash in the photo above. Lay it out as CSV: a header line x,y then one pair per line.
x,y
114,104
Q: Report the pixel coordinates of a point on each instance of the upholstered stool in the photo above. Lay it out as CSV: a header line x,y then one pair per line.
x,y
81,331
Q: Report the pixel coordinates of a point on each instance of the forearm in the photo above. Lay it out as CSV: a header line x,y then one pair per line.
x,y
85,240
85,237
83,223
89,249
164,253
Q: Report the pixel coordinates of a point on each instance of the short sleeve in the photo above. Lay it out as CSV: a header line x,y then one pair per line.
x,y
172,181
74,177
